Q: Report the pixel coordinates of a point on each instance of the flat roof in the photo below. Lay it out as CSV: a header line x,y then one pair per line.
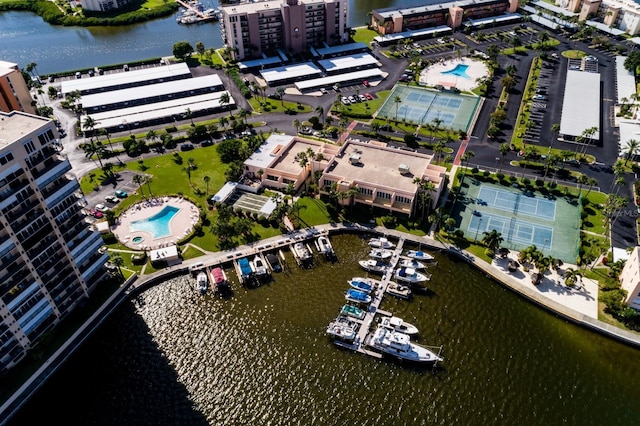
x,y
333,79
150,91
581,104
287,161
379,166
494,19
267,153
156,110
290,71
629,129
244,65
124,77
15,124
410,34
553,8
605,28
224,192
419,10
341,48
625,80
348,62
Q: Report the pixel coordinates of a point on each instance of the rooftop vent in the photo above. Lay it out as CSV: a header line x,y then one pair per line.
x,y
404,169
354,158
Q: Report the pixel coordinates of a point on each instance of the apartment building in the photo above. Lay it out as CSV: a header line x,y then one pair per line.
x,y
256,28
630,279
14,93
49,254
451,14
104,5
621,14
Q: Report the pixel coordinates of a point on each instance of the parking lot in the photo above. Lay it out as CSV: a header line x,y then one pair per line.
x,y
124,182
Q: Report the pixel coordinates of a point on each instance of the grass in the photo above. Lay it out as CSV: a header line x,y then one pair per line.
x,y
592,212
523,112
364,35
274,105
191,252
574,54
313,211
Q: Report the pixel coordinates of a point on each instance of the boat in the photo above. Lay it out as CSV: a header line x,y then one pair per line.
x,y
357,296
202,282
246,271
411,276
399,290
361,284
352,311
302,252
411,263
372,265
273,261
324,246
219,278
399,345
381,243
380,254
259,267
397,324
420,255
343,328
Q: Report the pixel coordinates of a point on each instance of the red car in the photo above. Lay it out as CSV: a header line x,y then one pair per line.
x,y
368,96
366,83
96,214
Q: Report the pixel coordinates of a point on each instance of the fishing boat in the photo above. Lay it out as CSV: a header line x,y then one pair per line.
x,y
397,344
259,267
324,246
399,290
380,254
343,328
361,284
411,276
420,255
246,271
397,324
272,258
202,282
411,263
352,311
357,296
302,252
372,265
219,279
381,242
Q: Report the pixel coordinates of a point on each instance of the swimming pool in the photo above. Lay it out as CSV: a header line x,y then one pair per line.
x,y
460,70
158,224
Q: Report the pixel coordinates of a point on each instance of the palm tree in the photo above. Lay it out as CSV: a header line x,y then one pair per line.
x,y
148,179
504,150
320,112
189,114
207,179
243,113
187,170
225,99
89,125
139,180
555,129
30,68
296,124
397,100
118,262
492,239
152,137
223,122
571,277
438,149
631,149
592,182
280,92
436,122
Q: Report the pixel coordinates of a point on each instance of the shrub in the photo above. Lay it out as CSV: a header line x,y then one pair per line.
x,y
139,258
109,238
389,221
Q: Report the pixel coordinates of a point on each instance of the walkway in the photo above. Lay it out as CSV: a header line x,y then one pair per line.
x,y
461,150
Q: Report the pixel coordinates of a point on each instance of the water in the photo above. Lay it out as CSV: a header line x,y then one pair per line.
x,y
262,357
158,224
459,71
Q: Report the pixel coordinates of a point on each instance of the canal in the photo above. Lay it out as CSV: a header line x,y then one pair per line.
x,y
262,357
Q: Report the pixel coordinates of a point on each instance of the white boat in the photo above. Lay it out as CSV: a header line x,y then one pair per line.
x,y
343,328
411,263
419,255
324,246
399,345
352,311
372,265
361,284
302,252
411,276
381,254
202,282
399,290
259,267
381,243
397,324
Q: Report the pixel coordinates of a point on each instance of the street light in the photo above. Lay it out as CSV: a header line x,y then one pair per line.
x,y
544,245
477,229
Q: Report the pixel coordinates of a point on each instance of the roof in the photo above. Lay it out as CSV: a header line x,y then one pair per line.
x,y
625,80
348,62
629,129
245,65
423,9
306,69
553,8
412,34
341,48
494,19
224,192
267,153
581,104
15,124
605,28
331,80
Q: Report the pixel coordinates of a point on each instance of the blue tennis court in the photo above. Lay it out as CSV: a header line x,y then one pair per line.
x,y
516,202
513,230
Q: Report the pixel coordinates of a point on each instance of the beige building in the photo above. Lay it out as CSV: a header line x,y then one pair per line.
x,y
255,28
621,14
630,279
14,93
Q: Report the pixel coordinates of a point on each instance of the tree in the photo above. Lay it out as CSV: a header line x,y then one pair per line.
x,y
397,100
571,276
148,179
630,150
632,62
504,150
492,239
435,123
189,115
555,129
200,48
118,262
320,112
187,170
207,179
280,92
508,82
296,125
225,99
152,137
139,180
182,50
30,68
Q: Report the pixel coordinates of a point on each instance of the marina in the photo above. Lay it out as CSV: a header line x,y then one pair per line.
x,y
194,12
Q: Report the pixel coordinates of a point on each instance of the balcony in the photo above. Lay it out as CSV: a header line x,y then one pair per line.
x,y
62,193
51,174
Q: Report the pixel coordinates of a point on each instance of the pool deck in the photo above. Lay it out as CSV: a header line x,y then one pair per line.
x,y
432,75
180,225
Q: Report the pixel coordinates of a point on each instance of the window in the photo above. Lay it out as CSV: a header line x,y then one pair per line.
x,y
365,191
6,158
384,195
404,200
29,147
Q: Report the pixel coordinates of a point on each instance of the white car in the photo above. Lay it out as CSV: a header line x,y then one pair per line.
x,y
345,101
323,90
102,208
362,98
352,99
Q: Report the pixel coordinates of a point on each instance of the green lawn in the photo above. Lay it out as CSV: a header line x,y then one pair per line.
x,y
574,54
274,105
364,35
313,211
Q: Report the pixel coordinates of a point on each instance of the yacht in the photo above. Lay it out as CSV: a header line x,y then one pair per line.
x,y
397,324
202,282
399,290
302,252
372,265
420,255
411,263
380,254
381,243
343,328
352,311
411,276
361,284
259,267
357,296
399,345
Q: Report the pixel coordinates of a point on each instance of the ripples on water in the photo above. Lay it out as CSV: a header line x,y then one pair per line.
x,y
261,357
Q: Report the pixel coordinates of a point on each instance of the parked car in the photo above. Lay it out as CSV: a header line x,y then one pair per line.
x,y
95,213
207,142
111,199
120,193
368,96
539,98
52,79
345,101
352,99
78,75
365,83
323,90
186,147
362,98
102,208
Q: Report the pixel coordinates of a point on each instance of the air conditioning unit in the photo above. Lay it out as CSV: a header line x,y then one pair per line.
x,y
354,158
404,169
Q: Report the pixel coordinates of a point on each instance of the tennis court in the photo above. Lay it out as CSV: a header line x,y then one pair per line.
x,y
517,203
514,230
422,106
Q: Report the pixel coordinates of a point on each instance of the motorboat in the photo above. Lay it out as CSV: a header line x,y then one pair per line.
x,y
246,271
361,284
357,296
399,290
420,255
411,276
352,311
397,324
411,263
202,282
381,242
302,252
400,346
219,278
259,267
380,254
324,246
343,328
373,265
272,258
